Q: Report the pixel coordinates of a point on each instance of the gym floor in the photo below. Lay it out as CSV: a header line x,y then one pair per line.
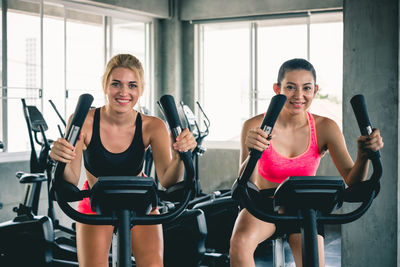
x,y
263,254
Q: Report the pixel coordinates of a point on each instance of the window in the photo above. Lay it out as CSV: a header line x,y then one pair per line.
x,y
24,77
277,41
326,54
239,62
53,72
132,37
225,95
58,52
84,60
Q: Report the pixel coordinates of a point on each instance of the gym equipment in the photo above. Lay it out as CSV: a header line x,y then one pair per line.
x,y
199,134
209,221
220,210
184,239
311,200
133,195
59,116
65,244
28,240
28,232
41,163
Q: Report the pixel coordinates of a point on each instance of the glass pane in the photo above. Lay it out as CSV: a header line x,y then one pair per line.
x,y
75,62
23,75
225,98
129,37
53,73
85,62
326,54
278,41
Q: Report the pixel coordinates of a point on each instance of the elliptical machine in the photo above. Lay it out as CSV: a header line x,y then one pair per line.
x,y
186,239
42,163
202,233
134,196
311,200
219,209
29,238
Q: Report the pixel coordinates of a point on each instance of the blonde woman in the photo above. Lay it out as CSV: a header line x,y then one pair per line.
x,y
113,141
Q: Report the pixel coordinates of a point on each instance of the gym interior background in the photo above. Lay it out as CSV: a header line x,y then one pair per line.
x,y
224,54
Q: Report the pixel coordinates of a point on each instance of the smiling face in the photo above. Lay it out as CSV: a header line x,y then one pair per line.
x,y
123,81
299,87
122,89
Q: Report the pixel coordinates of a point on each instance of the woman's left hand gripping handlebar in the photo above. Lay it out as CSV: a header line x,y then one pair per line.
x,y
372,142
185,141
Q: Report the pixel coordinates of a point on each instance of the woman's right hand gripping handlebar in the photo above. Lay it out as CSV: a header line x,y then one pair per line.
x,y
62,151
257,139
65,152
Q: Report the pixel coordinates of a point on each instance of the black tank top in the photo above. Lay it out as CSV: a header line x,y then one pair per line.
x,y
100,162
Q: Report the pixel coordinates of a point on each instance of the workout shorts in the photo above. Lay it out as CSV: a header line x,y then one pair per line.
x,y
84,204
284,228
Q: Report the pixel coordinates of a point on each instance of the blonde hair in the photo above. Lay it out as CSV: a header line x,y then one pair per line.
x,y
124,61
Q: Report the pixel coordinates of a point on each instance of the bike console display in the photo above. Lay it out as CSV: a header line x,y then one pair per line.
x,y
322,193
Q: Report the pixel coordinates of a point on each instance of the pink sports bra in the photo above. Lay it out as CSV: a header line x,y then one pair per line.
x,y
276,168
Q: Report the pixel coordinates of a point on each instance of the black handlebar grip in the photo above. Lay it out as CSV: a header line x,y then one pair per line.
x,y
168,106
171,113
360,111
81,111
73,131
273,111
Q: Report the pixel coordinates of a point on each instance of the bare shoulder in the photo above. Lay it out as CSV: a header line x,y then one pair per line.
x,y
253,121
151,123
325,124
327,130
153,129
88,120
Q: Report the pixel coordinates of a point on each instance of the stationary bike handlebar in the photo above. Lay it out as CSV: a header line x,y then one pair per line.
x,y
66,192
363,192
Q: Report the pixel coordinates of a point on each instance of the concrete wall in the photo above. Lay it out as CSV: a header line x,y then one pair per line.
x,y
211,9
152,8
174,58
371,65
11,192
218,169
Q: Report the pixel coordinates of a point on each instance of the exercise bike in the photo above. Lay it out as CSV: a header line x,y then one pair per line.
x,y
134,196
307,201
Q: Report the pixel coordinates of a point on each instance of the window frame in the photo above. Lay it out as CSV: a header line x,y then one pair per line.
x,y
254,24
40,8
